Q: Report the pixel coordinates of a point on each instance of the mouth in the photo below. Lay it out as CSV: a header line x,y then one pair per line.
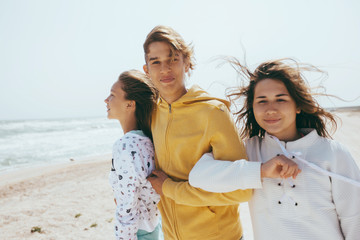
x,y
272,121
167,79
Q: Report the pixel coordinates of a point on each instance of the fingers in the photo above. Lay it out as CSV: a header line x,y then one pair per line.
x,y
296,173
285,170
279,166
290,168
156,172
151,180
291,172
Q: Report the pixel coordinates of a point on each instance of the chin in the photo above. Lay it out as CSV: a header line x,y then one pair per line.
x,y
272,133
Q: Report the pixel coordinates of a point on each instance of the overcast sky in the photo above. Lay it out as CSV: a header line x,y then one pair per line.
x,y
59,58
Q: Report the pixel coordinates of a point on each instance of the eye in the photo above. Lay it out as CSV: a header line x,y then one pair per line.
x,y
155,63
281,100
262,101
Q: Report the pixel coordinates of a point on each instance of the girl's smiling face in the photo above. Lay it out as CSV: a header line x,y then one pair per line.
x,y
275,110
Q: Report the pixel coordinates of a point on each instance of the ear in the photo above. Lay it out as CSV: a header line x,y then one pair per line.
x,y
131,105
298,110
187,65
146,70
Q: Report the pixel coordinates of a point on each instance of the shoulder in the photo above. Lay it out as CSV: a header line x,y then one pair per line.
x,y
336,146
215,111
215,105
331,153
252,141
331,144
133,140
252,144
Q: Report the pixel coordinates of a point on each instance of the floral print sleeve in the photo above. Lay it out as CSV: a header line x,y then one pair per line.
x,y
132,191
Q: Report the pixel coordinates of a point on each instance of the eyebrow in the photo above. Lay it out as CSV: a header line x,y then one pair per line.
x,y
278,95
153,58
156,58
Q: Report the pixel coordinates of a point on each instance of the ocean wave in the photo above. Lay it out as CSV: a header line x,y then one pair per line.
x,y
34,141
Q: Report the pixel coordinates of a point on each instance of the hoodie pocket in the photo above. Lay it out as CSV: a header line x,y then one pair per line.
x,y
196,222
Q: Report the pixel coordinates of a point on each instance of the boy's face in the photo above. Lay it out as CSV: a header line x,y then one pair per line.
x,y
166,72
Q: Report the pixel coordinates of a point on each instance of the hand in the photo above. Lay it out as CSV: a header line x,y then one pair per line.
x,y
279,166
157,178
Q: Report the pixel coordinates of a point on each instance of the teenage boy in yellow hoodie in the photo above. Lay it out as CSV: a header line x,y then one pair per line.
x,y
186,124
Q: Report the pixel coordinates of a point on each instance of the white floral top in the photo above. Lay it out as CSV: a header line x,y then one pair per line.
x,y
133,161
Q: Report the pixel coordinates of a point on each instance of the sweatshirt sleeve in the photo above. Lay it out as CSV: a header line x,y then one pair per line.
x,y
226,176
346,196
224,140
126,194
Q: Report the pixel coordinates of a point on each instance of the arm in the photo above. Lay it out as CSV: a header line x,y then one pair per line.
x,y
224,176
346,196
229,176
126,195
222,136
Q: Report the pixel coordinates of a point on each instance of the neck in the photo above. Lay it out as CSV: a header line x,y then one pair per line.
x,y
128,126
293,137
170,98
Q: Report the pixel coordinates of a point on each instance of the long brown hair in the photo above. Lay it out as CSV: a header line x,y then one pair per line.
x,y
289,72
139,88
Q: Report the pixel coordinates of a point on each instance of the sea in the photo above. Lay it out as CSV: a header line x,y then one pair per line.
x,y
25,143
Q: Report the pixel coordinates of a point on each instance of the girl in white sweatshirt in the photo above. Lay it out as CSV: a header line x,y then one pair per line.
x,y
280,116
131,101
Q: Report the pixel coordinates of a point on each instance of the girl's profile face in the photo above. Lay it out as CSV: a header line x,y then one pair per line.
x,y
117,105
275,110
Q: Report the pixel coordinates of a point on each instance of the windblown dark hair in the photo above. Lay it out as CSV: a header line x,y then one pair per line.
x,y
289,72
138,87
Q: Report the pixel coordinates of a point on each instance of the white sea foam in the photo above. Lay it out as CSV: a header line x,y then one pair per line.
x,y
30,142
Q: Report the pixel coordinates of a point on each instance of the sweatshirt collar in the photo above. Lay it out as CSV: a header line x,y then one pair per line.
x,y
308,140
193,95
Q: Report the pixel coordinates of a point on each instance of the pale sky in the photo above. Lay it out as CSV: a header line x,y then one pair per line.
x,y
59,58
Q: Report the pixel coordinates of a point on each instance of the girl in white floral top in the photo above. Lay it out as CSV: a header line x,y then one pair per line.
x,y
131,102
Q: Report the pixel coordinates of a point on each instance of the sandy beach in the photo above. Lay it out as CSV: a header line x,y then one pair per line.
x,y
74,200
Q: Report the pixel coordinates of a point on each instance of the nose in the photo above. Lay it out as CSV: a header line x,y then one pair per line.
x,y
271,109
166,66
106,100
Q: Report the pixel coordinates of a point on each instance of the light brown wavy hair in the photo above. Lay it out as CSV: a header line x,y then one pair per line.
x,y
138,87
177,44
290,73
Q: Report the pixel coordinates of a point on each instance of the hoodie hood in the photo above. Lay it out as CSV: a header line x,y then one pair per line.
x,y
194,95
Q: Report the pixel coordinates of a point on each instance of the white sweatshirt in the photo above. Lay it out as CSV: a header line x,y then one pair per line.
x,y
313,206
133,161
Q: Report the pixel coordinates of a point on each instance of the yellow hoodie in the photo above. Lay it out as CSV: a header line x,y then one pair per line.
x,y
183,131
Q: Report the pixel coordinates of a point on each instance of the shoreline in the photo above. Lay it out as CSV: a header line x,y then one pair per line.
x,y
58,163
24,173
